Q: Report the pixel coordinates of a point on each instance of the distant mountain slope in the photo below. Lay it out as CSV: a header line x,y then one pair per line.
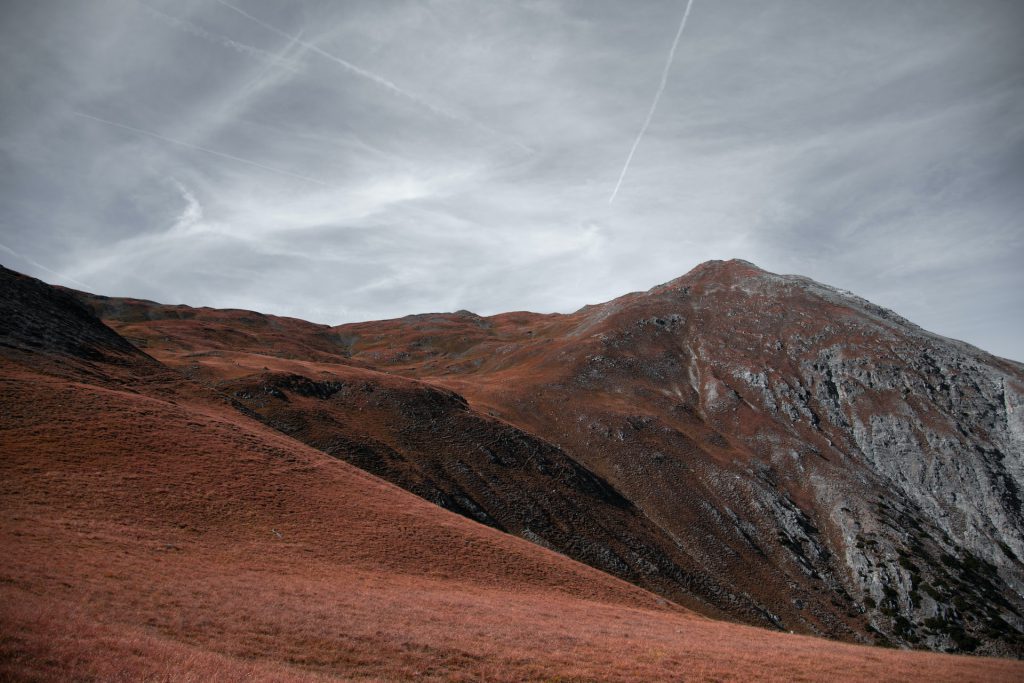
x,y
805,459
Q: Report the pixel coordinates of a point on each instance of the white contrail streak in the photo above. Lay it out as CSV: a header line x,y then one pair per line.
x,y
40,266
657,97
217,39
379,80
214,152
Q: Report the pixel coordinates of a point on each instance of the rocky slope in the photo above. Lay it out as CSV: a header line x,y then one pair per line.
x,y
780,451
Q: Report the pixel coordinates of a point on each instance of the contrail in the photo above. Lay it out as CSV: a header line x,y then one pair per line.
x,y
369,75
379,80
657,97
224,41
40,266
214,152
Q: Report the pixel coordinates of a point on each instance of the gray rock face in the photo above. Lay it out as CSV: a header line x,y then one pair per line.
x,y
934,420
923,436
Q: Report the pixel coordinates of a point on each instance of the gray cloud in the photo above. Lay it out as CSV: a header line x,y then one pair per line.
x,y
467,151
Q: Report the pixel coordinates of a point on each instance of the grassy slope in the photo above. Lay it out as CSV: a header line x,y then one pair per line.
x,y
150,536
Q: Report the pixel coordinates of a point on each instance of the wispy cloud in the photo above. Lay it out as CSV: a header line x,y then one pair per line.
x,y
199,148
192,214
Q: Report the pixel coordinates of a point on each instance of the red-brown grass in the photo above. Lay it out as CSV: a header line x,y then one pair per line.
x,y
148,536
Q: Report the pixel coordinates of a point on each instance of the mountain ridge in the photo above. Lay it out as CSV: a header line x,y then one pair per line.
x,y
818,404
154,530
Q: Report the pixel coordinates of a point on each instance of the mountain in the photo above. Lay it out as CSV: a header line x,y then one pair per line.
x,y
178,506
754,446
151,531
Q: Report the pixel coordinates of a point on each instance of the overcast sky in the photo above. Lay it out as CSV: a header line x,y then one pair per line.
x,y
345,160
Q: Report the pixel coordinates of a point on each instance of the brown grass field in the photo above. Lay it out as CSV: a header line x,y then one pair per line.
x,y
150,533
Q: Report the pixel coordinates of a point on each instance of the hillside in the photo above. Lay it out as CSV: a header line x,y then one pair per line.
x,y
787,454
154,528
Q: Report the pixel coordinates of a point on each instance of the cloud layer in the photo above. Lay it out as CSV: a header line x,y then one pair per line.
x,y
357,160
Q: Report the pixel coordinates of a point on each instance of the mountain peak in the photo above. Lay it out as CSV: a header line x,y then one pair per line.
x,y
731,267
715,271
